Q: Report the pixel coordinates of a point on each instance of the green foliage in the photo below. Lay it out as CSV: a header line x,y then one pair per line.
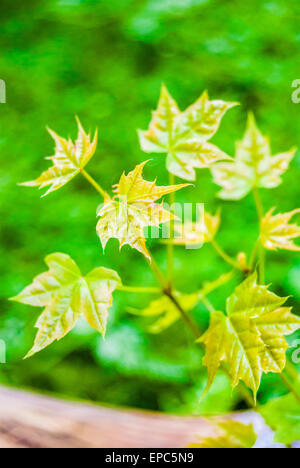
x,y
67,295
183,135
69,159
254,166
283,415
132,209
250,339
276,232
64,58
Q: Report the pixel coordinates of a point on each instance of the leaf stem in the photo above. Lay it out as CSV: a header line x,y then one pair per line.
x,y
157,272
262,261
208,304
290,386
245,393
291,371
258,203
170,246
254,255
93,182
225,256
260,214
167,291
191,324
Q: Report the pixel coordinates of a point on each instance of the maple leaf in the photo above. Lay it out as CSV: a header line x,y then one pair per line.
x,y
276,232
69,159
250,338
67,295
253,166
196,233
283,415
230,434
132,209
184,135
167,312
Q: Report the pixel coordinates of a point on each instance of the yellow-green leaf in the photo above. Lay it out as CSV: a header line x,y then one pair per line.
x,y
202,119
68,160
67,295
253,166
236,341
184,136
156,138
250,338
192,154
271,320
132,209
193,234
231,434
276,232
273,326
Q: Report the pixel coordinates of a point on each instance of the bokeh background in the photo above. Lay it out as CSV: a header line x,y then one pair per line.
x,y
105,61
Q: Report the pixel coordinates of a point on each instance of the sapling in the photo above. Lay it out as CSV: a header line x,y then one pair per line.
x,y
247,338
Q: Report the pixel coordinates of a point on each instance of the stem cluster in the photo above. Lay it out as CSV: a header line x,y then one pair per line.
x,y
166,284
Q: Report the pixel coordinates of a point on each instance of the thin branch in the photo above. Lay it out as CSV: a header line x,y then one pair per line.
x,y
208,304
258,203
157,273
254,255
225,256
245,393
191,324
260,214
93,182
170,246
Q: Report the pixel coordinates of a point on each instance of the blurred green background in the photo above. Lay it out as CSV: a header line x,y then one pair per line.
x,y
105,61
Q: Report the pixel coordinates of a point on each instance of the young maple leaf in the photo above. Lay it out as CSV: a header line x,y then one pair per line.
x,y
192,234
276,232
69,159
254,165
184,135
230,434
250,338
133,208
67,295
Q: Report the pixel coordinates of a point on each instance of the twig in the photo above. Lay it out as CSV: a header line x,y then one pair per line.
x,y
93,182
260,214
170,246
225,256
